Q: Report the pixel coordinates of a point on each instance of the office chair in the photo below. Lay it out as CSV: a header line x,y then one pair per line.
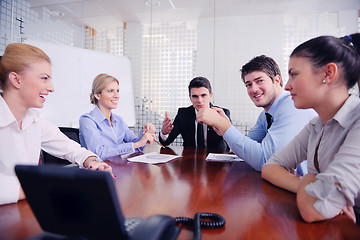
x,y
72,133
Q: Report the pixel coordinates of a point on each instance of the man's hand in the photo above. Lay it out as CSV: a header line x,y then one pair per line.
x,y
214,117
167,124
221,112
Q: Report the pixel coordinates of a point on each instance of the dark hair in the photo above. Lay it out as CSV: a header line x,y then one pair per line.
x,y
199,82
344,52
264,64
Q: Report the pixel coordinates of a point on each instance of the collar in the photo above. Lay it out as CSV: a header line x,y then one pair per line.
x,y
100,117
8,118
277,102
343,116
6,115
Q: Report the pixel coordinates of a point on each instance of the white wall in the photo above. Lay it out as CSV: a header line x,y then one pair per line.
x,y
239,39
73,71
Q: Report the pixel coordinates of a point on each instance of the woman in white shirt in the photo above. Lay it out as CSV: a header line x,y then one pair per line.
x,y
25,81
321,71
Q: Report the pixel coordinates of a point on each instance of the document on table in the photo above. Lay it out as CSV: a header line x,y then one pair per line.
x,y
153,158
219,157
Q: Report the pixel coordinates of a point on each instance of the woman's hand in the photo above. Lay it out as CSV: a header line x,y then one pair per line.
x,y
149,128
349,212
147,139
92,164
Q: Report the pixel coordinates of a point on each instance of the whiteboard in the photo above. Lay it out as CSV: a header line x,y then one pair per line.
x,y
73,71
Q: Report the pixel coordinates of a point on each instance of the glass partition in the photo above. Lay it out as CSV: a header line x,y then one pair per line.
x,y
169,42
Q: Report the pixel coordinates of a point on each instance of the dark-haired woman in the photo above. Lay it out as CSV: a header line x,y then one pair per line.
x,y
321,71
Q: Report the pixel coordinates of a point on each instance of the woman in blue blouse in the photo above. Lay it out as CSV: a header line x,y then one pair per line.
x,y
105,133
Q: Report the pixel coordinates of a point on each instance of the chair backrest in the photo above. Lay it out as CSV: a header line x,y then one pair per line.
x,y
72,133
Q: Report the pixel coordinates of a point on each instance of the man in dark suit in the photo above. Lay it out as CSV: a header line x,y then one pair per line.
x,y
185,123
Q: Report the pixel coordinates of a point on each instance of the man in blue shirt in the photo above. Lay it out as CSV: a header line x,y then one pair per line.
x,y
277,124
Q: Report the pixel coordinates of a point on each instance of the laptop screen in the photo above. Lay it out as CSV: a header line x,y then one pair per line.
x,y
73,201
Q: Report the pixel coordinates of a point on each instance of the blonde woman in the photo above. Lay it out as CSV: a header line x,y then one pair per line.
x,y
106,133
25,79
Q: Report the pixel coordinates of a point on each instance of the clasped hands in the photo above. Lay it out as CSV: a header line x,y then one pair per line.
x,y
148,137
214,117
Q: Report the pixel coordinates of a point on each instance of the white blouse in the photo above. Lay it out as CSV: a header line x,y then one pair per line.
x,y
22,146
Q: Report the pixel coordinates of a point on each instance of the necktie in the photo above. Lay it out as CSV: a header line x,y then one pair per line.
x,y
268,120
200,135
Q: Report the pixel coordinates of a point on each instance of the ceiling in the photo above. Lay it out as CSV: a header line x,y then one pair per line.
x,y
106,14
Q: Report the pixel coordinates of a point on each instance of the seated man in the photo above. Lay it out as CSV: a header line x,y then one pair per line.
x,y
185,123
277,124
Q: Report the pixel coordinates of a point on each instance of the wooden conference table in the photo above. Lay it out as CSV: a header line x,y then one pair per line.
x,y
253,208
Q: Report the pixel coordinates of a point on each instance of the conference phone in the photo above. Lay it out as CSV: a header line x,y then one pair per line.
x,y
73,203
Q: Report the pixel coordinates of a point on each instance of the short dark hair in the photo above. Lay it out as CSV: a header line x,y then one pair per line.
x,y
328,49
199,82
264,64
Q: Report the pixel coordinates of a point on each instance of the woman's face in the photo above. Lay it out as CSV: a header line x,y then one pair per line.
x,y
35,84
304,83
109,96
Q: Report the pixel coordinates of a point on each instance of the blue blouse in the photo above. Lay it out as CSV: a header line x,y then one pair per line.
x,y
97,135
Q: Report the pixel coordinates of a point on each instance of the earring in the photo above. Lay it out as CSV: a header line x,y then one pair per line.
x,y
324,81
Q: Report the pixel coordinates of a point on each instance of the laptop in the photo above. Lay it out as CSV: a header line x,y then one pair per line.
x,y
74,203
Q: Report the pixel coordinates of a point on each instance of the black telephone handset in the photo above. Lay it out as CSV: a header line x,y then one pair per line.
x,y
157,227
213,220
161,227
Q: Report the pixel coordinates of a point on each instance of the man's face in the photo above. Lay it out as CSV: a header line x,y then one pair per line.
x,y
200,97
261,89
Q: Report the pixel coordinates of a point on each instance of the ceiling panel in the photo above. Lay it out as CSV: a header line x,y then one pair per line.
x,y
110,13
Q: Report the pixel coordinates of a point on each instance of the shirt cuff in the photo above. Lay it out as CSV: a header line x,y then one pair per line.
x,y
9,190
331,198
163,137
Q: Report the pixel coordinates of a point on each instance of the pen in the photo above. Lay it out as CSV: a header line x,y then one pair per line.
x,y
159,143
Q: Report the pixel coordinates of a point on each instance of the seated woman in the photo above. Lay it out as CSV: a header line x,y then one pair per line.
x,y
105,133
321,71
25,79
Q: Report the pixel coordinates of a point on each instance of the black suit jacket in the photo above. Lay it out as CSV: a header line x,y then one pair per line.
x,y
184,124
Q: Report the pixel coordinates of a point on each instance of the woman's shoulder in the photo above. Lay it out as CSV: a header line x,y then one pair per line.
x,y
93,114
86,116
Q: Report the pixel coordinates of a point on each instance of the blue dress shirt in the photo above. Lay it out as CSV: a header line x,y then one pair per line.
x,y
261,143
97,135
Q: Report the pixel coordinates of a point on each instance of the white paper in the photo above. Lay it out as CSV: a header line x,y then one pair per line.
x,y
153,158
219,157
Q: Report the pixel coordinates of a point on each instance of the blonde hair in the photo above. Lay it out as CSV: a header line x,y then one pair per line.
x,y
99,83
17,57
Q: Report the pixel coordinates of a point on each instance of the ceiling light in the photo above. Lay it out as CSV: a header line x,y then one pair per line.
x,y
56,13
152,3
